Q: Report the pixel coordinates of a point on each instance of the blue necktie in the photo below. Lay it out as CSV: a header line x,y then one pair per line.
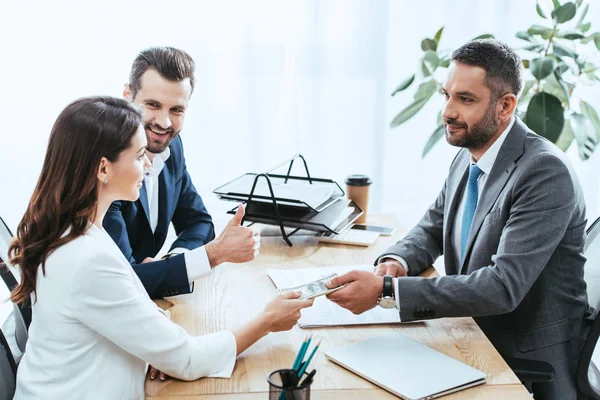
x,y
470,207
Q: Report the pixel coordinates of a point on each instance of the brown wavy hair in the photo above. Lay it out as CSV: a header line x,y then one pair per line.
x,y
66,194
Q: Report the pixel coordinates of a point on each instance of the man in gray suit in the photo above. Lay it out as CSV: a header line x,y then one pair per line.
x,y
510,222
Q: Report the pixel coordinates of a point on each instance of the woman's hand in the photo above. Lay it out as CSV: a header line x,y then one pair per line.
x,y
283,311
280,314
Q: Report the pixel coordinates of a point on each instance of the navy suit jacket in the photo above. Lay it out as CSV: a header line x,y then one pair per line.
x,y
128,223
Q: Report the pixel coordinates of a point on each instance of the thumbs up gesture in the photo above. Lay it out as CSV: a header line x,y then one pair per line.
x,y
236,244
237,218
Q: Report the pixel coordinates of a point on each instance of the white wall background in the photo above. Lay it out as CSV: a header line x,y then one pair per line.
x,y
274,78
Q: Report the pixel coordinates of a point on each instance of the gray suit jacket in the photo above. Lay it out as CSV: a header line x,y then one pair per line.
x,y
522,276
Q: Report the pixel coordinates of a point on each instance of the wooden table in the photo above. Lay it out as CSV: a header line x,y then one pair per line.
x,y
233,294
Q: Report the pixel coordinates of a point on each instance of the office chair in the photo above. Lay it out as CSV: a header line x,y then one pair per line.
x,y
21,312
537,373
8,371
588,375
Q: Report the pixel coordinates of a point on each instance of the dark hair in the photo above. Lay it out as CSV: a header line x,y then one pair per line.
x,y
171,63
501,64
66,194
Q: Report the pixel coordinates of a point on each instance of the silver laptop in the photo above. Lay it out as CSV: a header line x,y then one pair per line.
x,y
406,368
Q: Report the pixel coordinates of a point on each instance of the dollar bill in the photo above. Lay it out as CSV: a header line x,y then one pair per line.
x,y
314,288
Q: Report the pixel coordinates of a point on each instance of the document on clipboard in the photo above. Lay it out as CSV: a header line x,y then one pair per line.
x,y
325,312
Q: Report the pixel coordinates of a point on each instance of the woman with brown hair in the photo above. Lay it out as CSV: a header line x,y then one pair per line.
x,y
94,328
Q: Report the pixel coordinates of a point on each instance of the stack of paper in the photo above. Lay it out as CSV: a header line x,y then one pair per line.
x,y
324,312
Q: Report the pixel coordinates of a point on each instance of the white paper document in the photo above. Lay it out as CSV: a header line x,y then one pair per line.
x,y
324,312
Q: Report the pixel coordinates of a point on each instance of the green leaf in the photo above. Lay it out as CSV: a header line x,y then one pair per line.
x,y
484,36
566,137
585,135
543,31
542,67
536,29
564,13
584,27
589,67
562,67
592,115
593,77
444,62
579,3
426,90
572,35
597,42
589,38
555,86
571,64
583,14
545,116
563,51
408,113
556,4
536,48
525,64
431,59
523,35
421,97
527,94
438,35
526,88
440,118
439,133
404,84
540,11
428,44
429,63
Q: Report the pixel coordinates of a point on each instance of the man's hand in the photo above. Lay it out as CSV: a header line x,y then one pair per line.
x,y
236,244
361,292
153,373
390,267
148,260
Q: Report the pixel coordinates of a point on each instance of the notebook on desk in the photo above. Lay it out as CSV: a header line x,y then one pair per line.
x,y
406,368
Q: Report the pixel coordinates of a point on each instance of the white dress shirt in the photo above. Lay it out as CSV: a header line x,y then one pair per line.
x,y
94,329
485,164
196,261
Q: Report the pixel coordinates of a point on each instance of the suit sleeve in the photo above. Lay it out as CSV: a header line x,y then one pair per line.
x,y
108,300
424,243
193,224
543,203
160,278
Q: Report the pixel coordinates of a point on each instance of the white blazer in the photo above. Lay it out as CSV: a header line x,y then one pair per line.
x,y
94,329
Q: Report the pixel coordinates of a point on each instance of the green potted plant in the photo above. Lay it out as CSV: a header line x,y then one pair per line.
x,y
556,57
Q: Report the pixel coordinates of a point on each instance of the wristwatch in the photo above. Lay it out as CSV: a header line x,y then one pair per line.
x,y
387,298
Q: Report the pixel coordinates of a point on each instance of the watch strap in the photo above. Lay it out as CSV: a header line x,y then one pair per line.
x,y
388,288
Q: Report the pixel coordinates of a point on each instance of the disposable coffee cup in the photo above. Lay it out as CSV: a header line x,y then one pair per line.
x,y
357,190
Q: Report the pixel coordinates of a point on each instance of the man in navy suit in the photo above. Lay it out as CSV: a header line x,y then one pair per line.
x,y
161,83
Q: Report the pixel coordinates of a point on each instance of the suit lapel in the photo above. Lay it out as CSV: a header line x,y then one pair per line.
x,y
454,188
505,163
